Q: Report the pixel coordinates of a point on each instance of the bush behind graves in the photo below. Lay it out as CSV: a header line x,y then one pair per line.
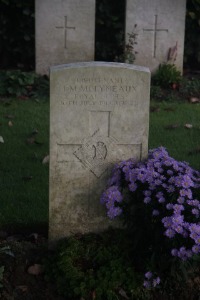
x,y
166,76
16,83
192,31
158,201
17,34
190,87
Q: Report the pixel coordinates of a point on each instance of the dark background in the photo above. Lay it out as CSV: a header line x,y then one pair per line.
x,y
17,36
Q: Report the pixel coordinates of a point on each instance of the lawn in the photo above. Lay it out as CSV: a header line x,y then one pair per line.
x,y
24,127
167,128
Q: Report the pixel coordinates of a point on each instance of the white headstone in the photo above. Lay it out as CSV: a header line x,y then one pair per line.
x,y
64,32
160,31
99,116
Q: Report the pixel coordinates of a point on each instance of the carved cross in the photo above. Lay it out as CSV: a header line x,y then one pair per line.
x,y
155,30
97,151
65,27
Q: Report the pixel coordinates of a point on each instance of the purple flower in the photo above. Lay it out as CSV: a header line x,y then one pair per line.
x,y
178,229
178,181
170,172
169,206
170,233
147,200
196,249
187,193
156,281
160,170
195,212
174,252
110,198
147,193
178,208
114,212
148,275
133,186
181,200
177,219
157,180
167,221
172,180
147,284
155,212
159,195
170,189
187,182
161,200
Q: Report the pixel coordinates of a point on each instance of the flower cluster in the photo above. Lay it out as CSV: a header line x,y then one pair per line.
x,y
169,188
150,280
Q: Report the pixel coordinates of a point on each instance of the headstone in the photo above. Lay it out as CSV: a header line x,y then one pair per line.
x,y
64,32
160,30
99,116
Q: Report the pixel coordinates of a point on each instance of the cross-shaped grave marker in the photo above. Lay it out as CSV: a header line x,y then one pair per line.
x,y
155,30
65,27
96,151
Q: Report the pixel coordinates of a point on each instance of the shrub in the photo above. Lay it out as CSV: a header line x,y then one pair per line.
x,y
190,87
95,266
17,40
158,201
23,84
167,76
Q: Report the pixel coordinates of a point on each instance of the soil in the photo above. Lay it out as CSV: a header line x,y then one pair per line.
x,y
23,276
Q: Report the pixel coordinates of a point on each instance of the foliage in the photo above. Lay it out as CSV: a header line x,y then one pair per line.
x,y
95,267
192,32
4,250
158,202
17,34
166,76
23,84
109,35
156,92
129,52
190,87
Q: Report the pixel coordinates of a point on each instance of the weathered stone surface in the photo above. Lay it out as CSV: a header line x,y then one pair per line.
x,y
99,115
160,27
64,32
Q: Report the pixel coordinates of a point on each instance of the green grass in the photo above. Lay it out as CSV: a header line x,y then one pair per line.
x,y
24,179
182,144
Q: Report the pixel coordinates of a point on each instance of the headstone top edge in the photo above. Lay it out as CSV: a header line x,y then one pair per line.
x,y
99,64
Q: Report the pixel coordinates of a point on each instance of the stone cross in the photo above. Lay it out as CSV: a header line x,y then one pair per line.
x,y
155,30
95,152
65,27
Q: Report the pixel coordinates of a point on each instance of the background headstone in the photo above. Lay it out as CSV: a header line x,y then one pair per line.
x,y
160,31
99,114
64,32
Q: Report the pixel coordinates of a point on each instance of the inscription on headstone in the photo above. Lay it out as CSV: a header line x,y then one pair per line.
x,y
64,32
99,116
160,27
